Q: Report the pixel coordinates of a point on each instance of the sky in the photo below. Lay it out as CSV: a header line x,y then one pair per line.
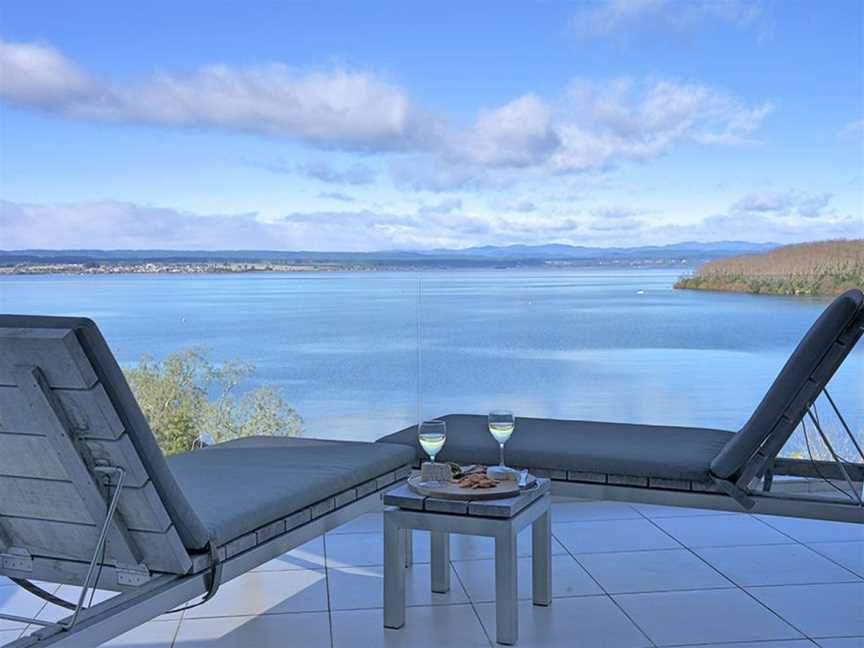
x,y
408,125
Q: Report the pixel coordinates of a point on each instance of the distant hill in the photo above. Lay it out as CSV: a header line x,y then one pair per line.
x,y
820,268
689,253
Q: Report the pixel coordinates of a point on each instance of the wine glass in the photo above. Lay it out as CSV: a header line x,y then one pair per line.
x,y
501,425
432,435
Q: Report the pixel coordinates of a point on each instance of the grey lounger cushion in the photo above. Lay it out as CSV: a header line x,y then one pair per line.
x,y
773,416
238,486
587,446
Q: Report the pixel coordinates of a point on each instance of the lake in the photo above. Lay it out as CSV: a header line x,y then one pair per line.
x,y
601,344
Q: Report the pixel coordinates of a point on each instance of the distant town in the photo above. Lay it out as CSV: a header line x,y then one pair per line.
x,y
115,267
98,262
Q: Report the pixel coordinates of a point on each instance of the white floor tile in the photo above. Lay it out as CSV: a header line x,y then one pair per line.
x,y
791,643
155,634
704,616
464,547
364,549
568,578
660,511
309,555
583,511
354,588
848,554
721,531
804,530
775,565
844,642
585,622
611,535
425,627
366,523
17,602
267,593
310,630
651,571
818,610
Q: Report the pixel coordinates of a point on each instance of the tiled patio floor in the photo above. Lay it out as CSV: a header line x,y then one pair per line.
x,y
624,576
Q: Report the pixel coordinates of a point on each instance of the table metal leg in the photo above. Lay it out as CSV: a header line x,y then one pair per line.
x,y
394,572
440,561
409,547
541,561
506,603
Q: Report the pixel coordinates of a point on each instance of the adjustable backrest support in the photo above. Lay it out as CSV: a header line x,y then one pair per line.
x,y
62,417
808,370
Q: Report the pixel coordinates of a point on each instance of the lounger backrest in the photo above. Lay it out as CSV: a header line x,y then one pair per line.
x,y
66,408
808,370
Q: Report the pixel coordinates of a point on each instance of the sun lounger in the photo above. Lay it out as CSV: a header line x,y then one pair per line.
x,y
87,498
697,467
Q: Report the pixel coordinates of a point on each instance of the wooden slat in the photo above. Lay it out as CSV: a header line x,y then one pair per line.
x,y
385,480
366,488
404,497
270,531
89,412
241,544
23,455
56,352
578,475
507,508
627,480
59,501
345,497
322,508
62,540
455,507
672,484
38,498
44,404
297,519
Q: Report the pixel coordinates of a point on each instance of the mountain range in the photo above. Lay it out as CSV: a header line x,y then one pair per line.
x,y
480,255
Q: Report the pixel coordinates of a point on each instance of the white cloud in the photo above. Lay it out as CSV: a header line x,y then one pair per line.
x,y
593,124
338,107
615,17
783,204
853,131
121,225
336,195
518,133
39,75
601,123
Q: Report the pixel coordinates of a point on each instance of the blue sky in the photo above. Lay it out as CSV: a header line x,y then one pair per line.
x,y
363,126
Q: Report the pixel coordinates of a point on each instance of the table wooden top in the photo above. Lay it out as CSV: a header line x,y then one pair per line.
x,y
405,498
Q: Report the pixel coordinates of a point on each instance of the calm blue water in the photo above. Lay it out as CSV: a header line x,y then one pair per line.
x,y
596,344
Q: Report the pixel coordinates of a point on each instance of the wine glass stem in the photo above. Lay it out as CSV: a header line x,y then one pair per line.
x,y
501,445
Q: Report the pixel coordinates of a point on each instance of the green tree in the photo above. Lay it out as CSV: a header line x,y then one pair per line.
x,y
189,400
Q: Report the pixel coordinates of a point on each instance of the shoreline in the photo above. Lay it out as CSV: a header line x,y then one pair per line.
x,y
58,269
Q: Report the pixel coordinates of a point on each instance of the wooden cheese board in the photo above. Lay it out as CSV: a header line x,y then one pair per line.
x,y
452,490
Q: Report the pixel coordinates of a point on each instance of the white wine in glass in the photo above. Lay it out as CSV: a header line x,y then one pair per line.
x,y
432,435
501,425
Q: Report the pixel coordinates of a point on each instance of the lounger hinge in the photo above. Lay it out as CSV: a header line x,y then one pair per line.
x,y
18,559
735,492
132,575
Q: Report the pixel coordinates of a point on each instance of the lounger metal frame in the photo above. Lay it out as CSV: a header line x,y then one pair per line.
x,y
81,508
756,496
163,593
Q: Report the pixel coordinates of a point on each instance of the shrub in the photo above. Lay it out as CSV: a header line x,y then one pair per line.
x,y
189,400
